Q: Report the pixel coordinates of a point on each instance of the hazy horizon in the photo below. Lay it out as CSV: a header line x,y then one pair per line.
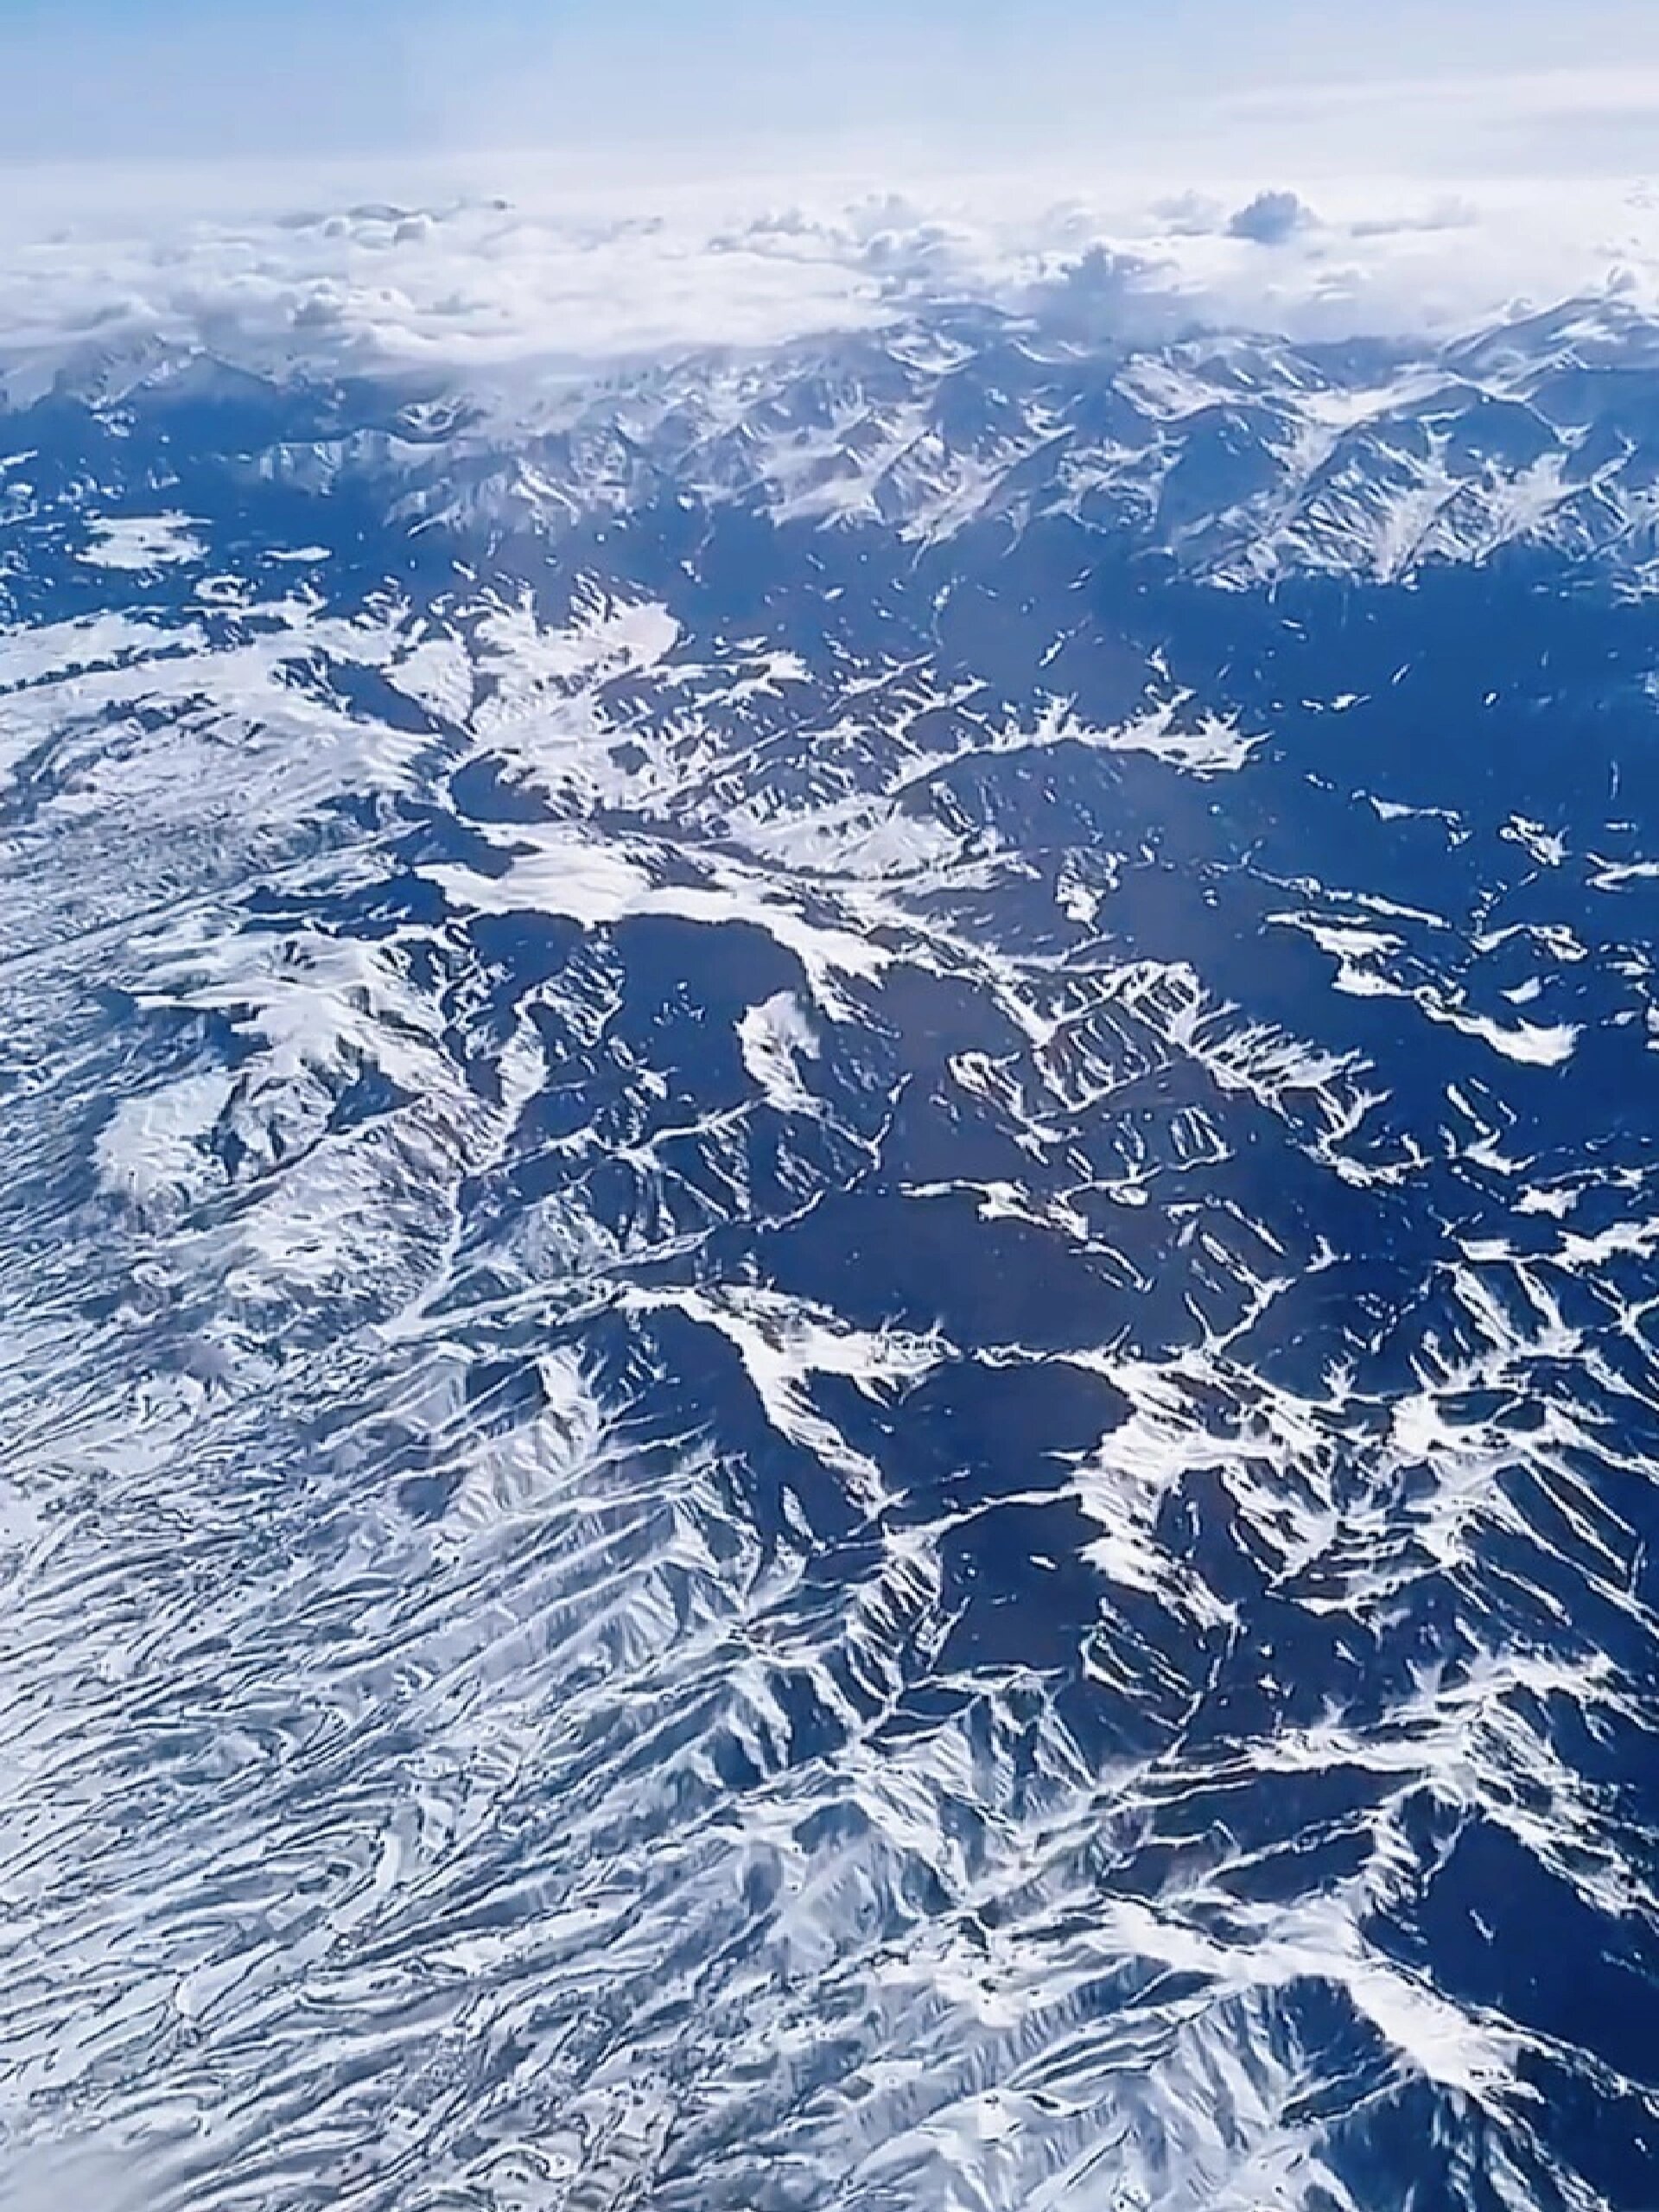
x,y
1471,89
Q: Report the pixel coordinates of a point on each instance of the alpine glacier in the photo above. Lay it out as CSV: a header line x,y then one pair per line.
x,y
830,1337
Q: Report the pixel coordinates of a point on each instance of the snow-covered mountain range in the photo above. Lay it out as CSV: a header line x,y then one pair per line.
x,y
828,1324
1242,458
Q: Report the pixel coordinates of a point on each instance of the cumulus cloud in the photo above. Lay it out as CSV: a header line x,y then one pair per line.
x,y
1270,219
1108,294
1191,214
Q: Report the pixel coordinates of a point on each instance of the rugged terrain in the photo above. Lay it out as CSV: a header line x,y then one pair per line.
x,y
828,1325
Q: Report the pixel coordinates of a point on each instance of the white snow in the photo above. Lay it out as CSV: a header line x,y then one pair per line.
x,y
143,542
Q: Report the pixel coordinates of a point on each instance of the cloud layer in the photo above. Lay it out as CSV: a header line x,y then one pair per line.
x,y
465,284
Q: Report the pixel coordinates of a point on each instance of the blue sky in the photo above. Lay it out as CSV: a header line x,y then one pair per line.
x,y
703,78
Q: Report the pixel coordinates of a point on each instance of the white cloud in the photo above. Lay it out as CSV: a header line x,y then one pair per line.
x,y
467,284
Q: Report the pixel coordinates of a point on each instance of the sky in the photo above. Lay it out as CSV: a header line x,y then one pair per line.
x,y
574,180
1493,87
